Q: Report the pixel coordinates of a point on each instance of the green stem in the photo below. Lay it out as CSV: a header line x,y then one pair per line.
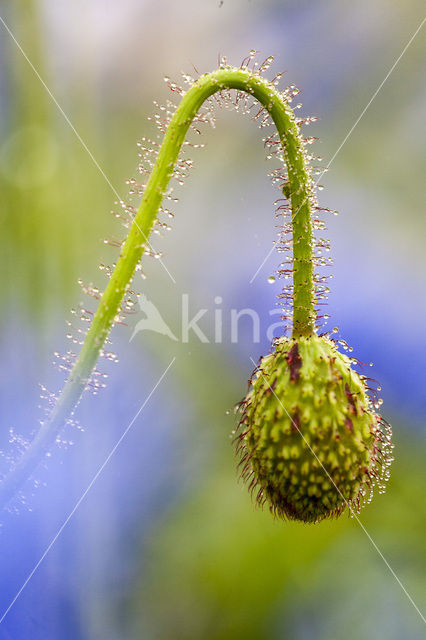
x,y
133,248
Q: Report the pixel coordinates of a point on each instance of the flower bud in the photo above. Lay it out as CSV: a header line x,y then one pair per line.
x,y
310,441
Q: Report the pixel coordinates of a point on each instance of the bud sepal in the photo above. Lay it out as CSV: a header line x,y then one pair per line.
x,y
310,440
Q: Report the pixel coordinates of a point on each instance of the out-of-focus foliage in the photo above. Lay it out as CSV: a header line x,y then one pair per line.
x,y
221,569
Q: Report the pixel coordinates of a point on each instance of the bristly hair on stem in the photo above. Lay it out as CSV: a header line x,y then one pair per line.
x,y
242,87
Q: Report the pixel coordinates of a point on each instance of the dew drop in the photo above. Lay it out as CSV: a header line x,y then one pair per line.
x,y
271,279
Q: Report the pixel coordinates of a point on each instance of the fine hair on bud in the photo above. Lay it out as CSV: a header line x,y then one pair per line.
x,y
310,442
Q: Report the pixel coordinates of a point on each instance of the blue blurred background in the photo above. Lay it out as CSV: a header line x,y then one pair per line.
x,y
166,544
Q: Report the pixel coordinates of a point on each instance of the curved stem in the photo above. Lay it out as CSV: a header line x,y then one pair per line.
x,y
133,248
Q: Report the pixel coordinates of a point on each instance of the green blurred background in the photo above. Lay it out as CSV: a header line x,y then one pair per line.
x,y
167,544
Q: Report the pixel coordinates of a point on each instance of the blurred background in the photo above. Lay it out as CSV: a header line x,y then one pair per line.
x,y
166,544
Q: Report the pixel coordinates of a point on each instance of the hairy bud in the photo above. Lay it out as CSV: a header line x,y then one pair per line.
x,y
310,441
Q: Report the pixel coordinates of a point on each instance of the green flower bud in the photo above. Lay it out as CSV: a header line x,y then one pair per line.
x,y
310,441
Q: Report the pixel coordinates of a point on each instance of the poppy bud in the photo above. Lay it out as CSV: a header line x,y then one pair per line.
x,y
311,442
